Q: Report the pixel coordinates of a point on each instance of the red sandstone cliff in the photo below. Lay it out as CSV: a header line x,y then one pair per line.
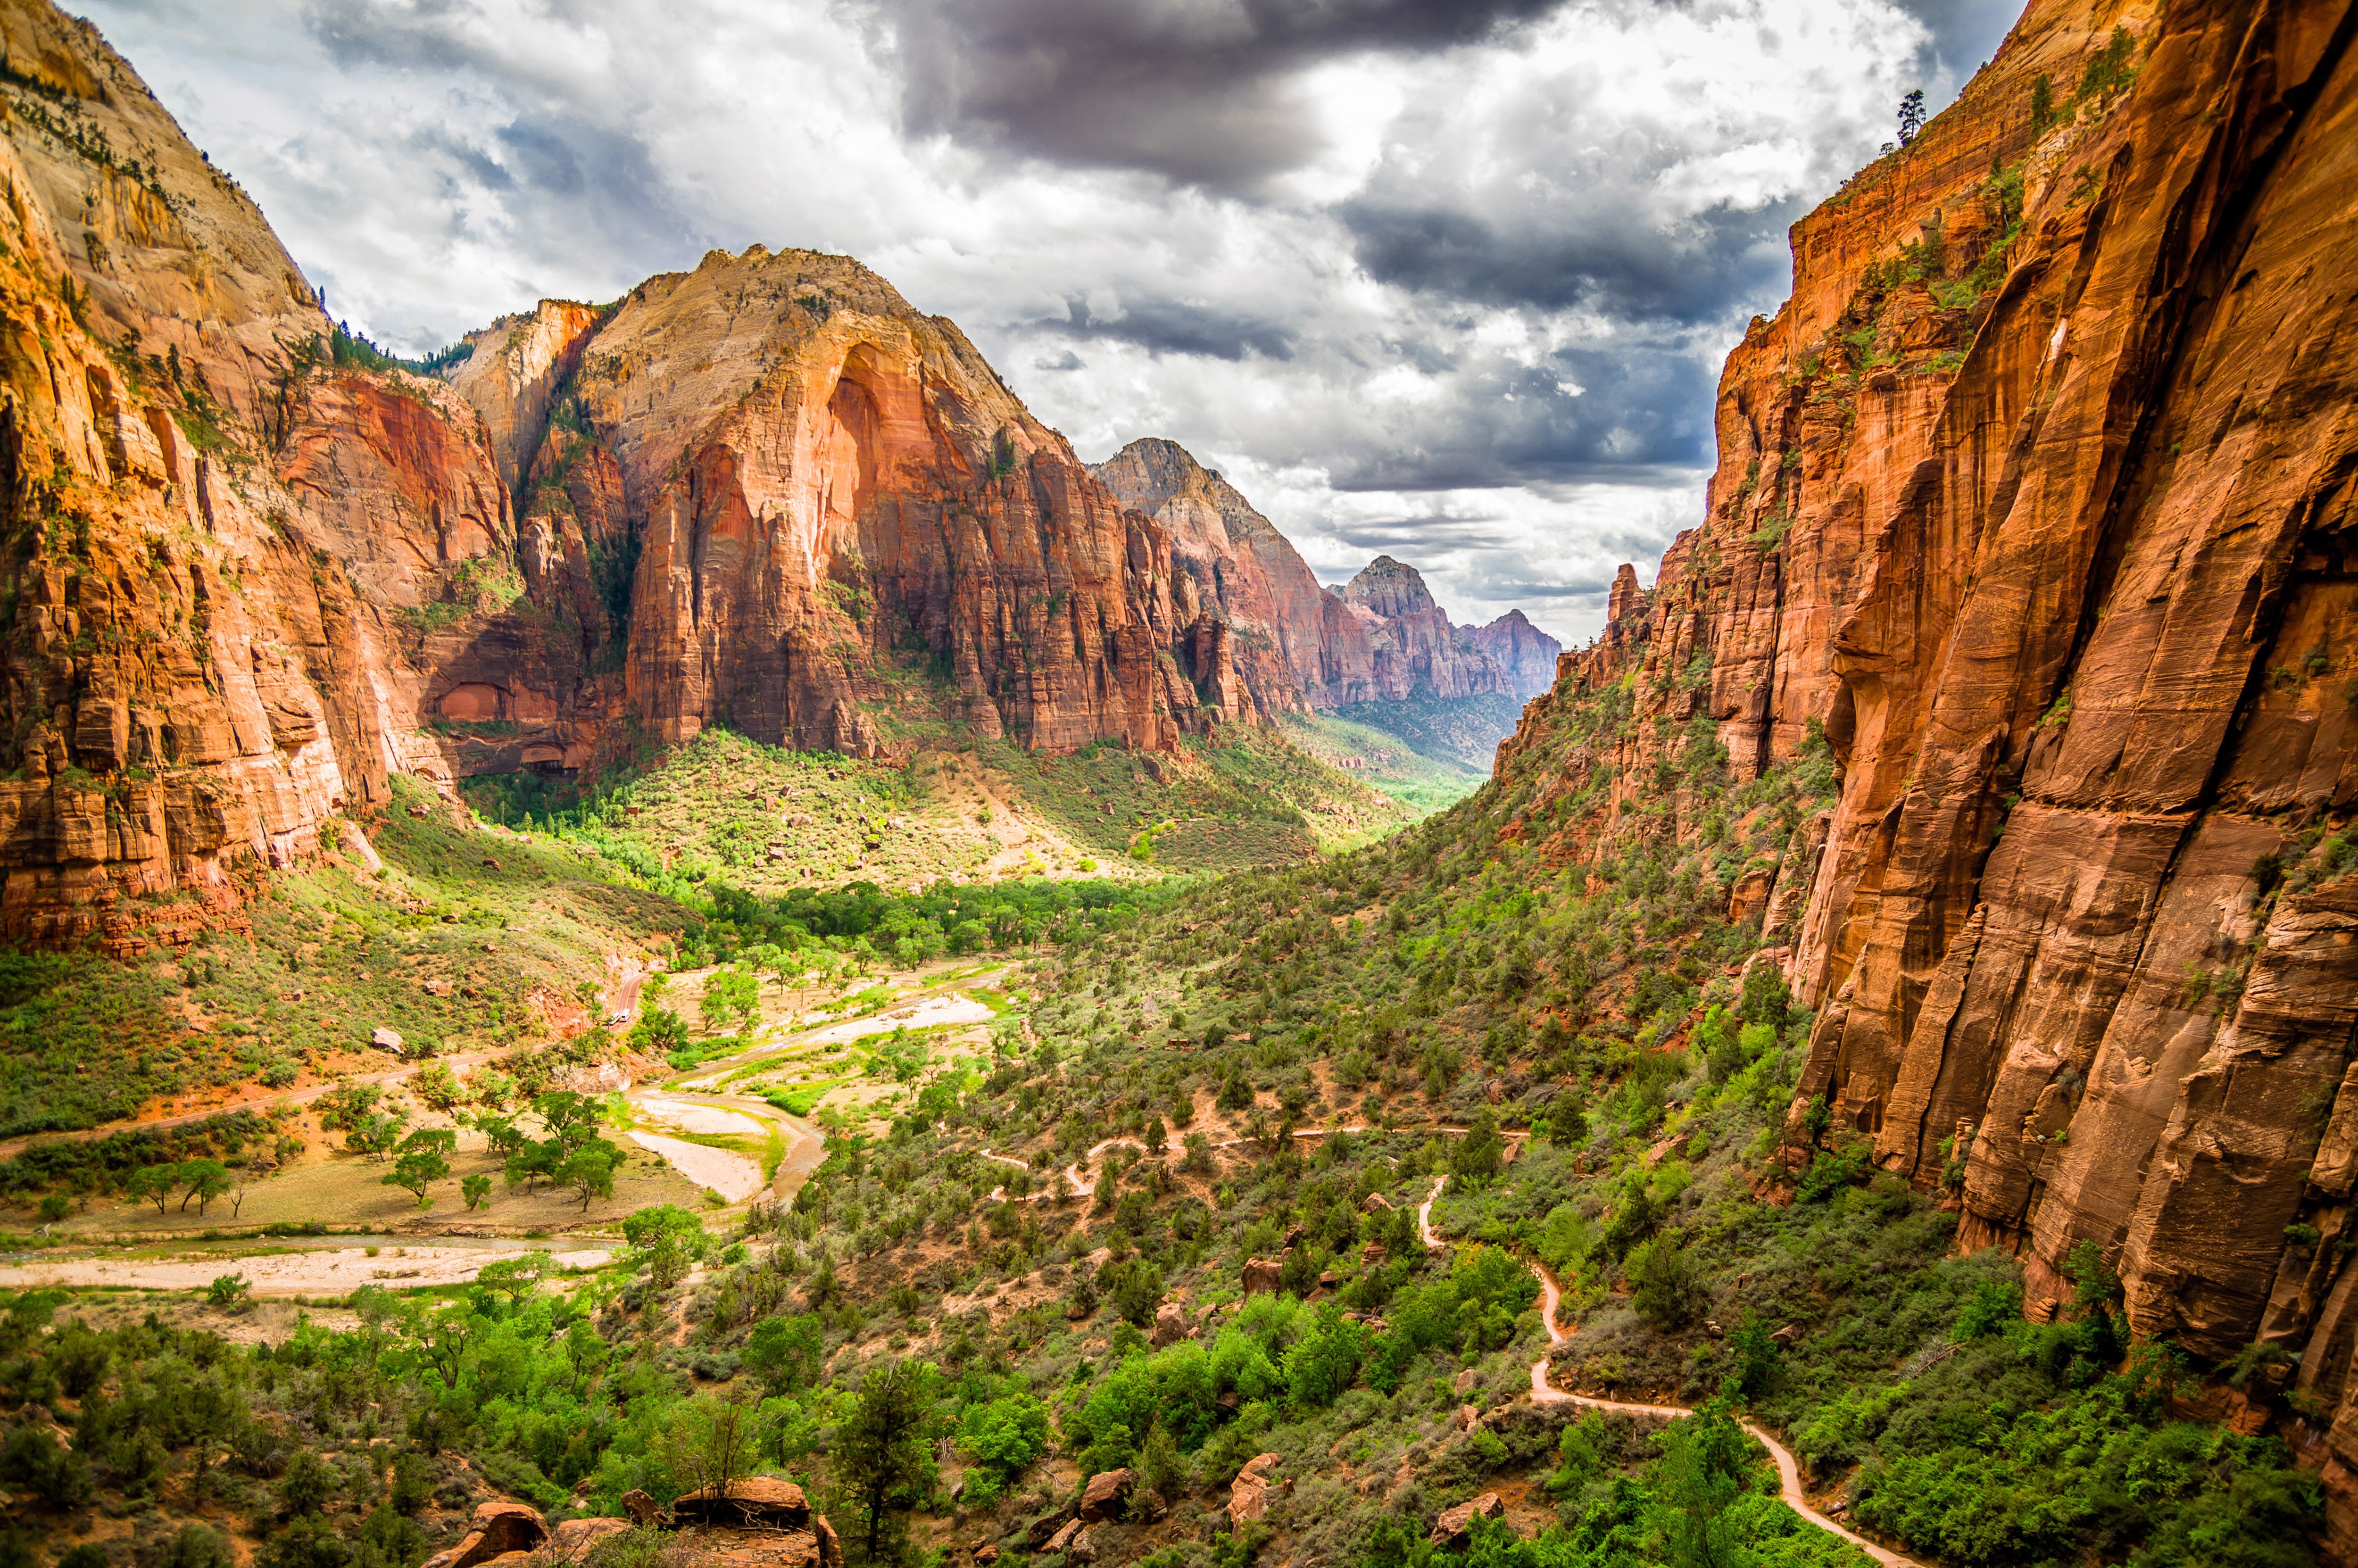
x,y
1415,649
2038,496
253,568
1526,654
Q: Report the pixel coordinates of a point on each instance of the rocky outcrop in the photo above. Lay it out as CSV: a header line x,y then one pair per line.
x,y
499,1529
1104,1495
1381,638
1526,654
1248,1493
2035,500
1455,1527
1413,649
1170,1326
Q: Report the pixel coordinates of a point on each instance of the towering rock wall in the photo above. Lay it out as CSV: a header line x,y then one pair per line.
x,y
1381,638
210,533
1526,654
826,476
2037,498
253,568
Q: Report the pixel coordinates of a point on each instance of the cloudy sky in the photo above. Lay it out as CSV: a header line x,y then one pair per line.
x,y
1449,279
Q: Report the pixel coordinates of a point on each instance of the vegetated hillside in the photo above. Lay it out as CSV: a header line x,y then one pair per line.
x,y
1540,996
460,940
766,819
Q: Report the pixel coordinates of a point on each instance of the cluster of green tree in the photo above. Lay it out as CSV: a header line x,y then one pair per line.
x,y
914,928
109,1165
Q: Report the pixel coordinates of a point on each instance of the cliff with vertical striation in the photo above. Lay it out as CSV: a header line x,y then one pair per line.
x,y
253,567
1526,654
2036,499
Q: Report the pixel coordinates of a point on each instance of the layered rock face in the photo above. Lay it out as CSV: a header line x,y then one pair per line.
x,y
823,476
1414,651
1291,644
1526,654
253,567
201,665
1382,638
2037,498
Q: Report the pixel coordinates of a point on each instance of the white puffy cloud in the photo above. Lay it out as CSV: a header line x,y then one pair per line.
x,y
1446,278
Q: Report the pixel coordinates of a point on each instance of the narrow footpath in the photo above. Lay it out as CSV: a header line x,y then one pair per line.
x,y
1788,1471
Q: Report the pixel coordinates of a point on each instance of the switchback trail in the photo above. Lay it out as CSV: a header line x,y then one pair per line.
x,y
1788,1471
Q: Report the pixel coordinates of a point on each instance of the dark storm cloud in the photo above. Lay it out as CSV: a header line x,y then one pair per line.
x,y
1171,327
1636,414
1423,531
1197,90
1686,272
419,35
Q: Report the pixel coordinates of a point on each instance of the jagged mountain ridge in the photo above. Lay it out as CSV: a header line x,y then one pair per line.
x,y
1381,638
2036,499
1415,650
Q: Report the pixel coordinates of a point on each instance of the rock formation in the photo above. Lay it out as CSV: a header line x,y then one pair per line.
x,y
1381,638
1455,1527
1289,644
256,568
1248,1493
1527,653
2037,501
1414,651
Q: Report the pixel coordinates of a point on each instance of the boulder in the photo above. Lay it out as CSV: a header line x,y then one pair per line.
x,y
986,1553
1464,1384
1467,1419
643,1508
1170,1324
499,1529
753,1501
1455,1527
1375,1203
1044,1528
571,1542
1248,1493
385,1040
1062,1541
1106,1493
1261,1273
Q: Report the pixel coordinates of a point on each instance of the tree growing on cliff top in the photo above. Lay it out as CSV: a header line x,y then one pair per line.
x,y
1912,115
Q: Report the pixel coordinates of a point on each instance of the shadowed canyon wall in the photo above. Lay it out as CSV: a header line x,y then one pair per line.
x,y
2037,501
